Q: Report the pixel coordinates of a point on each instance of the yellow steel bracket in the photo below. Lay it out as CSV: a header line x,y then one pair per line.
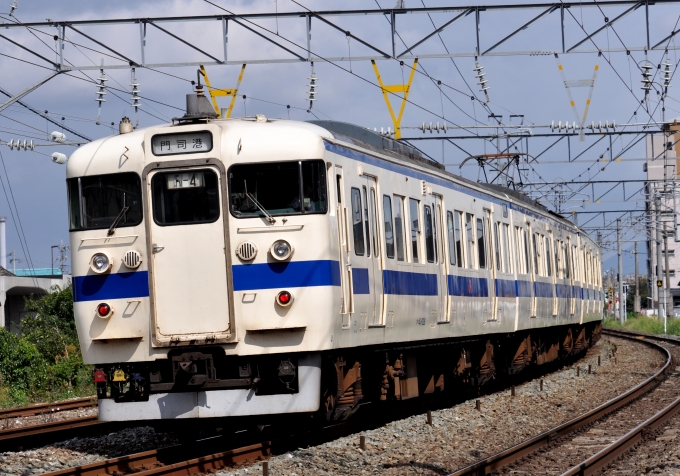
x,y
215,92
396,88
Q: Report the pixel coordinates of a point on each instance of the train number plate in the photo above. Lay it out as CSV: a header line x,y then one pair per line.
x,y
177,144
185,180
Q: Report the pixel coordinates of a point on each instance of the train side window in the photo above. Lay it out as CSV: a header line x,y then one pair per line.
x,y
574,261
527,260
399,227
366,224
357,223
518,248
497,247
481,248
338,181
547,256
457,226
537,255
429,234
470,239
374,224
558,270
507,262
451,237
567,261
389,231
435,232
415,227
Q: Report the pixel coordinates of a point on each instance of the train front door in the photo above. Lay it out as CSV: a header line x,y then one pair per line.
x,y
188,255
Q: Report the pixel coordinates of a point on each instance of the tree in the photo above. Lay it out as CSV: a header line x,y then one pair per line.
x,y
644,293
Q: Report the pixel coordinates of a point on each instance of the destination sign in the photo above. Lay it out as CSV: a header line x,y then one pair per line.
x,y
185,143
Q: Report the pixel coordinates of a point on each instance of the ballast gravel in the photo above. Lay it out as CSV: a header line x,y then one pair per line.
x,y
47,417
458,436
461,435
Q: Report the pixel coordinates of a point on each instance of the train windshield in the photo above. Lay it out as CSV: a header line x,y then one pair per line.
x,y
97,202
276,188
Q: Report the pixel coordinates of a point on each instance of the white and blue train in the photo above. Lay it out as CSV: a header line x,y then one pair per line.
x,y
254,267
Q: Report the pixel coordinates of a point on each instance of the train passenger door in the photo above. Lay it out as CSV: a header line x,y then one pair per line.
x,y
491,245
443,304
188,259
532,262
571,269
343,246
375,266
366,267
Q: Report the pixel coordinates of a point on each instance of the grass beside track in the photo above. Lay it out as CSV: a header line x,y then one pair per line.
x,y
650,325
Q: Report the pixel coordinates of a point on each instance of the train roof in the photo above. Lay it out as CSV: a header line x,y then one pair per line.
x,y
371,140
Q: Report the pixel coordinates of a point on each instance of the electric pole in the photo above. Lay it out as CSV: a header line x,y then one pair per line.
x,y
622,312
636,299
659,270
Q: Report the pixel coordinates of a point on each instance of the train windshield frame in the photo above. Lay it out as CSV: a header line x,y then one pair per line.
x,y
97,201
276,188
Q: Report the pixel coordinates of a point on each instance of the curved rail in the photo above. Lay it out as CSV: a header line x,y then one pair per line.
x,y
611,452
514,453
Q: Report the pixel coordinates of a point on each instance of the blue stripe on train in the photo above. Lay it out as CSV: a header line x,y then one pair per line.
x,y
360,283
411,284
292,274
506,288
101,287
468,287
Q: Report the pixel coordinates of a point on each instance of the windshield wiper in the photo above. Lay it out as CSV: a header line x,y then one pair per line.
x,y
270,218
117,220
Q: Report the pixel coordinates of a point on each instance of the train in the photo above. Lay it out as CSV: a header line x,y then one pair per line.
x,y
256,267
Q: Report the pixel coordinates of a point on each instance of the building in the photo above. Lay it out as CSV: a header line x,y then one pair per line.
x,y
15,288
662,167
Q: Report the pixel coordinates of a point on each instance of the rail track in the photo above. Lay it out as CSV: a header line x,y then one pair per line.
x,y
210,454
31,436
45,408
555,450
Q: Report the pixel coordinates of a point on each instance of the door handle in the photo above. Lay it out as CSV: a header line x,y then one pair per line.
x,y
155,248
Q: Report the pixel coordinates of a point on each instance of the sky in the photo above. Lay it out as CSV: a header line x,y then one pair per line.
x,y
527,85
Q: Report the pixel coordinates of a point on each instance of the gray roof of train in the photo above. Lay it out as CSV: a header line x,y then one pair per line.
x,y
370,140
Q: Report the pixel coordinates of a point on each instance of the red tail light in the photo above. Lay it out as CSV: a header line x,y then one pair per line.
x,y
284,298
103,309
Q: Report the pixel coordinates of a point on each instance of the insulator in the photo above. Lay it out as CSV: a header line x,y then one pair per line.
x,y
613,125
445,127
559,126
58,158
430,128
483,81
423,127
478,67
10,144
389,131
485,88
437,127
58,137
31,145
552,126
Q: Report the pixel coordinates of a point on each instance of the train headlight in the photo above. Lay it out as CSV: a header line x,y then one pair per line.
x,y
100,263
281,250
284,298
104,310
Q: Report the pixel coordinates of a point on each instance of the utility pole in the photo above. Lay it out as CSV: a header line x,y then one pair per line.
x,y
659,270
667,289
622,312
636,299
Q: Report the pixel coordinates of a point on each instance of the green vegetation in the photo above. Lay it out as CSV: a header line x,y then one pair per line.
x,y
44,362
640,323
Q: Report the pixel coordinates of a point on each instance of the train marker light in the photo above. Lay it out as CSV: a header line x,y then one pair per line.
x,y
99,376
100,263
281,250
284,298
104,310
